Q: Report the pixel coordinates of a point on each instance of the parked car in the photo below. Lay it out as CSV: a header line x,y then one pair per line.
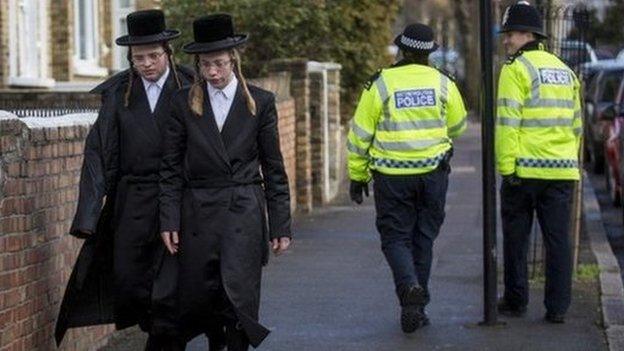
x,y
599,95
611,116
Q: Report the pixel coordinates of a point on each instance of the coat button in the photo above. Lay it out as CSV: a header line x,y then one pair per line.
x,y
238,230
194,233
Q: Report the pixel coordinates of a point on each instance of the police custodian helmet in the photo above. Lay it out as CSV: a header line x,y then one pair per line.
x,y
416,37
524,18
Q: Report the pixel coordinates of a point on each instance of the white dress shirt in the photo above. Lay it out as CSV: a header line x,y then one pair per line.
x,y
221,100
153,89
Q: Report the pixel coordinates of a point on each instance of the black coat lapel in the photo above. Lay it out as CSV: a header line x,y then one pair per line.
x,y
141,113
208,126
163,105
234,119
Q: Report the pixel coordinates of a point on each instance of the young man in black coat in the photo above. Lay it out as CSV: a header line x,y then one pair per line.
x,y
124,274
222,175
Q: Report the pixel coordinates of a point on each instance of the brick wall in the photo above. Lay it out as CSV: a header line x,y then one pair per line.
x,y
300,90
39,168
61,49
40,160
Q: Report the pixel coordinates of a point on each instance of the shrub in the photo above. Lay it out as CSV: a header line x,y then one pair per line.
x,y
354,33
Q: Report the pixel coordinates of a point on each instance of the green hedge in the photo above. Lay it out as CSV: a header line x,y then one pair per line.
x,y
354,33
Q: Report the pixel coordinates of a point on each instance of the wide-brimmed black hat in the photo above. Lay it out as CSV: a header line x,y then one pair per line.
x,y
524,18
416,37
214,33
146,27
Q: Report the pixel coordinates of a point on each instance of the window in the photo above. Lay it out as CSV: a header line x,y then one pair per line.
x,y
28,44
86,39
121,9
610,87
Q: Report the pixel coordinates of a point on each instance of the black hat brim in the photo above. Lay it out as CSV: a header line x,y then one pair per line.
x,y
400,45
520,28
203,48
128,40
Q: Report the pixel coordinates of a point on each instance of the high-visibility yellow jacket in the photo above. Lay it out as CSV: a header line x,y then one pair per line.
x,y
539,124
404,122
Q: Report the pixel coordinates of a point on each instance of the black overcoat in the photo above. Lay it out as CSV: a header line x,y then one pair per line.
x,y
219,189
122,271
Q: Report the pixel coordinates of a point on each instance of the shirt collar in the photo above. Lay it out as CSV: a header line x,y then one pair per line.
x,y
228,91
160,82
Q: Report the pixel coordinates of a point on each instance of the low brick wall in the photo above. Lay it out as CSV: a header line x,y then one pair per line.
x,y
39,169
40,161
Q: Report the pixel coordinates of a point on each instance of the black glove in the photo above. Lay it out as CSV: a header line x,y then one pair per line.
x,y
356,189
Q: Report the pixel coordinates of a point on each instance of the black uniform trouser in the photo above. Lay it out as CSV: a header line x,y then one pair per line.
x,y
552,200
410,212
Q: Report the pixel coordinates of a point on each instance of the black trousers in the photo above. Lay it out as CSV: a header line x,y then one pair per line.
x,y
551,200
410,212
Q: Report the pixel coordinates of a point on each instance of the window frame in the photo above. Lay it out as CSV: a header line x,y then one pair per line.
x,y
88,66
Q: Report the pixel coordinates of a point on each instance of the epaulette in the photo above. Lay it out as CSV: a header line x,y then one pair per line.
x,y
371,80
447,73
512,58
111,82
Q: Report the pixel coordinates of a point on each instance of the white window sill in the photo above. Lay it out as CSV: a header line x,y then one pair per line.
x,y
88,69
31,82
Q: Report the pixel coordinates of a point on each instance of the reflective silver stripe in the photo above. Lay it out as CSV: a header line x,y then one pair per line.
x,y
361,133
535,100
547,122
562,103
392,126
509,103
578,131
456,128
535,82
508,121
443,95
408,145
383,95
356,150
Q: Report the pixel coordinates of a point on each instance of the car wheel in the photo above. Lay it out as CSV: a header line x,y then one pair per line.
x,y
614,194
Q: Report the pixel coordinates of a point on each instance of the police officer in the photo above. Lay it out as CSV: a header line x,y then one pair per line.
x,y
400,137
537,142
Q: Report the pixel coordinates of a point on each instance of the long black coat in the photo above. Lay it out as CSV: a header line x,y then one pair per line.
x,y
217,189
121,271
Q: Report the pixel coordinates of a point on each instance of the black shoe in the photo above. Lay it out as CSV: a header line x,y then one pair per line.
x,y
413,300
509,310
555,318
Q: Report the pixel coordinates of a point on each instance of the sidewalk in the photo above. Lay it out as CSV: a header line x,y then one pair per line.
x,y
333,290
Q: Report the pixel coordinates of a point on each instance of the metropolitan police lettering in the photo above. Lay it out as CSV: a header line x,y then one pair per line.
x,y
555,76
414,98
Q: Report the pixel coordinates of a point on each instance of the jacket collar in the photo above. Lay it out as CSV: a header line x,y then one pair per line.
x,y
404,62
532,46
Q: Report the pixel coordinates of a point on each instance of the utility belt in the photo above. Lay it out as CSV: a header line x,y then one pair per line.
x,y
445,163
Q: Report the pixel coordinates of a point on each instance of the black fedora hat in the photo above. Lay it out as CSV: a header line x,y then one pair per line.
x,y
214,33
146,27
524,18
416,37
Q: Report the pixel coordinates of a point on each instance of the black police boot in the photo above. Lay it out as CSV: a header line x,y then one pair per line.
x,y
555,318
413,300
510,310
